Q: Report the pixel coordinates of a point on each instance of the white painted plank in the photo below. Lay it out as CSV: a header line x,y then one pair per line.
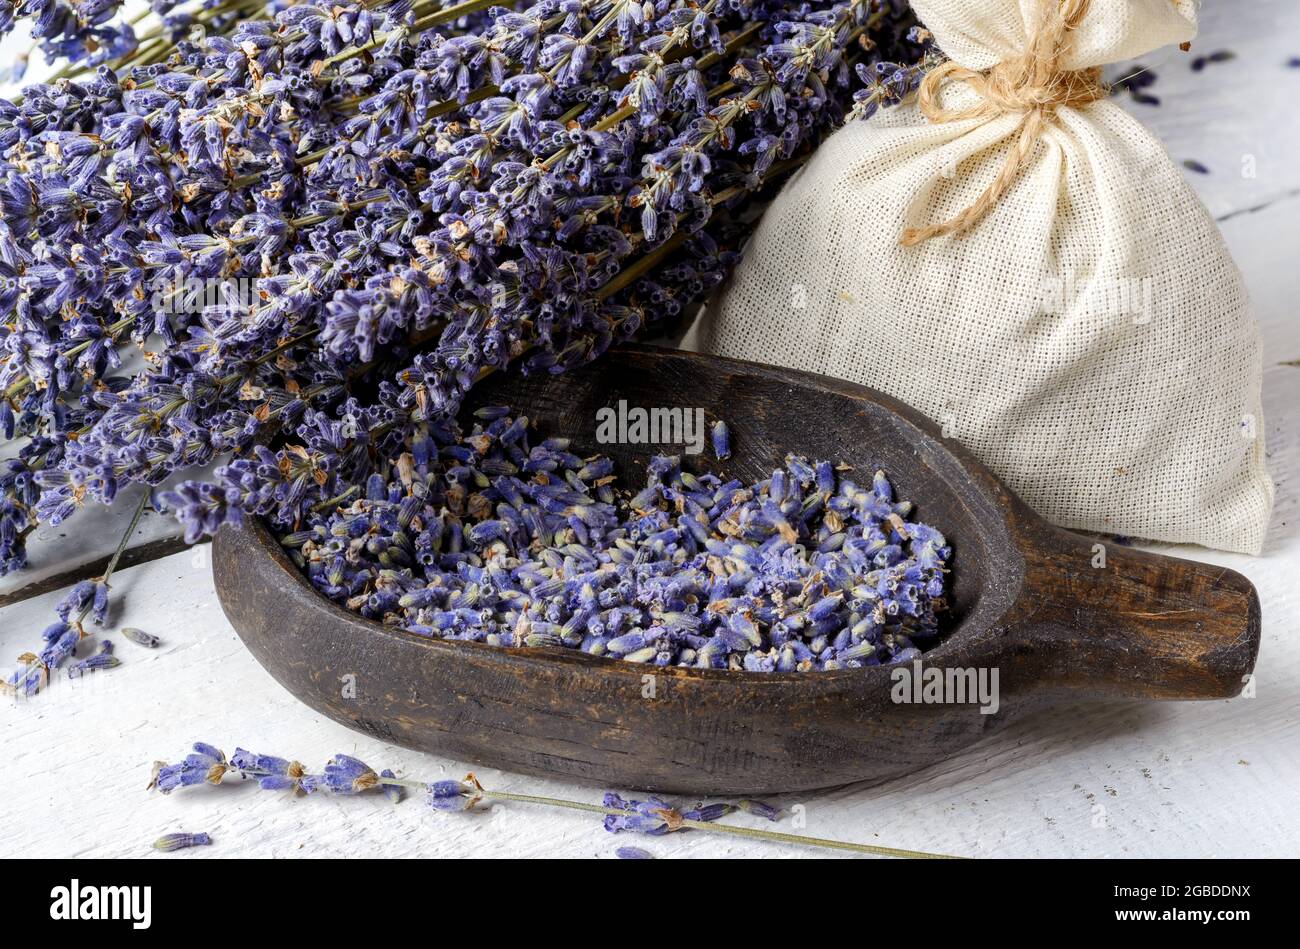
x,y
1235,115
90,535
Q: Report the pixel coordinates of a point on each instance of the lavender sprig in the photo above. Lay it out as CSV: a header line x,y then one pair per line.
x,y
87,597
209,765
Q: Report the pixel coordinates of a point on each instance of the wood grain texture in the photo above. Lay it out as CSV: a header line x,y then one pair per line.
x,y
1028,601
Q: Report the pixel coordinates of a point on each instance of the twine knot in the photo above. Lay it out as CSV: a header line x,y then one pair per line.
x,y
1033,85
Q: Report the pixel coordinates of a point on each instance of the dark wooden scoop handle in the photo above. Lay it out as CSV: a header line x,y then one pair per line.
x,y
1137,624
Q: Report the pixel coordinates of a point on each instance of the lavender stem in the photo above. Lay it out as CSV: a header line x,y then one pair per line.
x,y
750,832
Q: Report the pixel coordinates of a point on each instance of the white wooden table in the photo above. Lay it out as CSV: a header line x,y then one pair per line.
x,y
1195,779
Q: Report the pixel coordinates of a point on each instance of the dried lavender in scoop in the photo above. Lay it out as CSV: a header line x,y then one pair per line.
x,y
500,536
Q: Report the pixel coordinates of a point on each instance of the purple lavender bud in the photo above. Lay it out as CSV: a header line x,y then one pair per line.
x,y
347,775
140,637
206,764
452,795
708,812
824,607
633,853
759,809
103,659
180,841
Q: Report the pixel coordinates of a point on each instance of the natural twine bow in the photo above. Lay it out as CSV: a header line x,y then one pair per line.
x,y
1032,84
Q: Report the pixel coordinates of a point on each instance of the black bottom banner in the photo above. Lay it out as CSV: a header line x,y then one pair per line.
x,y
371,897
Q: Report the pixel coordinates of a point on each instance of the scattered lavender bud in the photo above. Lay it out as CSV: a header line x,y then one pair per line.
x,y
1219,56
1193,165
172,842
633,853
140,637
1137,83
102,659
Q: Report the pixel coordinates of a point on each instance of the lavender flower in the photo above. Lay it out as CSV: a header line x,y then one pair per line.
x,y
721,438
347,775
651,816
86,596
274,774
453,795
633,853
708,812
205,765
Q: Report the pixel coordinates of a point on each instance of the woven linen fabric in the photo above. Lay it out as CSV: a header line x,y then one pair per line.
x,y
1091,339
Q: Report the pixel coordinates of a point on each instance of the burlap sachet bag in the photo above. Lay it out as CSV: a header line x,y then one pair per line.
x,y
1020,260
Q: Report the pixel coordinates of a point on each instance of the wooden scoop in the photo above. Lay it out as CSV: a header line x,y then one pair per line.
x,y
1027,601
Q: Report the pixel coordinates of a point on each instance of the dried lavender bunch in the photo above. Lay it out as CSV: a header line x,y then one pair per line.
x,y
348,776
411,195
503,537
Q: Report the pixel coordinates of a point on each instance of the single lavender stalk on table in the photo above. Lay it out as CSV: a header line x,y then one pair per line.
x,y
345,775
